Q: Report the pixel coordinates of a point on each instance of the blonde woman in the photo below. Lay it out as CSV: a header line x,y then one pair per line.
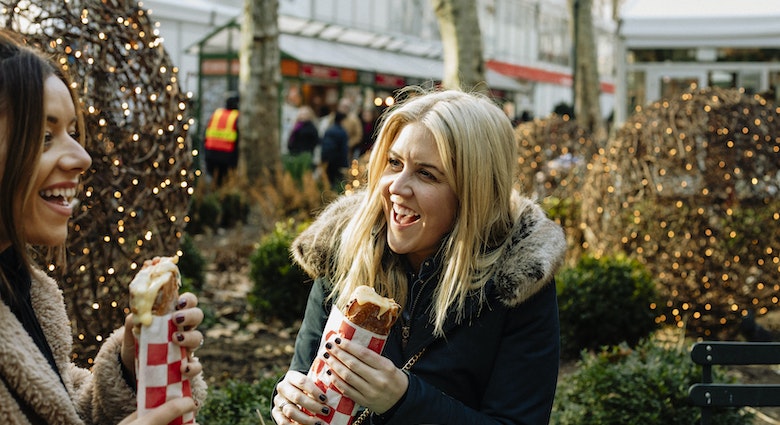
x,y
440,229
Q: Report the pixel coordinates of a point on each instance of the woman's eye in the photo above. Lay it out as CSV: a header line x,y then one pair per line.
x,y
47,139
427,174
394,163
75,135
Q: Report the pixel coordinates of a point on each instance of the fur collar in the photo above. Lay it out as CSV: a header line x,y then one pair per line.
x,y
529,261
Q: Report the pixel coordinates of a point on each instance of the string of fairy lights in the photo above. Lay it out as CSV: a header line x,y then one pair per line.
x,y
687,185
135,196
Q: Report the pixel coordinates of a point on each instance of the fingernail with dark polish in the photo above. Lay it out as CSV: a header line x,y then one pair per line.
x,y
337,341
187,369
182,303
328,372
179,318
322,397
325,410
328,345
326,355
179,337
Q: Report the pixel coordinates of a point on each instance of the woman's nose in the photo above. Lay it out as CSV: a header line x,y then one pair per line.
x,y
400,185
76,157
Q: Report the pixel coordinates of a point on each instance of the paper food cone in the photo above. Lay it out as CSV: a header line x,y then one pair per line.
x,y
160,378
342,409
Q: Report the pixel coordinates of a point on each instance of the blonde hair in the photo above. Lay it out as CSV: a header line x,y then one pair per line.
x,y
476,142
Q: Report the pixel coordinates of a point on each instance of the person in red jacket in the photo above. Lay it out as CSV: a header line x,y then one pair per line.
x,y
221,140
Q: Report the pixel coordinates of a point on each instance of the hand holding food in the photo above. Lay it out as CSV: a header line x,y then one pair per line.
x,y
365,320
154,293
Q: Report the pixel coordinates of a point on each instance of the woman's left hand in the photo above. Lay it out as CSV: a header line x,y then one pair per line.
x,y
366,377
187,318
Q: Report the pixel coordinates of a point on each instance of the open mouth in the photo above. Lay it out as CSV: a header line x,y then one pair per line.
x,y
64,197
404,216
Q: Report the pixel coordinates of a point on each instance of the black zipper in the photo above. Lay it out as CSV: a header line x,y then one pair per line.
x,y
406,328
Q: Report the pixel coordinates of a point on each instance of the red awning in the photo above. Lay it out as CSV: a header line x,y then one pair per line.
x,y
538,75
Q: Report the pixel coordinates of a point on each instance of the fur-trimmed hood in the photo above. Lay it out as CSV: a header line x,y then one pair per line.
x,y
529,261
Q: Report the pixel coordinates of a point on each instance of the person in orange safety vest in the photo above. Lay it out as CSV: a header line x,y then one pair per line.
x,y
221,140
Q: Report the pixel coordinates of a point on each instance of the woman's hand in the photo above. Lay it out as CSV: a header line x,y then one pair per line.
x,y
164,413
187,317
294,393
364,376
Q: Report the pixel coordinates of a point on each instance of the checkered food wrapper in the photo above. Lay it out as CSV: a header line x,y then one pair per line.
x,y
342,409
158,367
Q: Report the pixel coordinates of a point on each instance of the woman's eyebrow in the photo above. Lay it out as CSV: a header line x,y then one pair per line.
x,y
391,153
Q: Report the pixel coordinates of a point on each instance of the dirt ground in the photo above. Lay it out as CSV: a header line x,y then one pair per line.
x,y
242,349
237,347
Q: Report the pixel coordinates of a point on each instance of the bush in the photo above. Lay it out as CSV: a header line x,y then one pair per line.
x,y
205,211
239,403
297,166
235,208
647,385
603,302
191,265
280,287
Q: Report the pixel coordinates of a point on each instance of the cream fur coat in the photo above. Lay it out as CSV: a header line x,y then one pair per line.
x,y
99,396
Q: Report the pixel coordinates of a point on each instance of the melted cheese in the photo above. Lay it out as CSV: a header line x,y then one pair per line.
x,y
365,294
147,283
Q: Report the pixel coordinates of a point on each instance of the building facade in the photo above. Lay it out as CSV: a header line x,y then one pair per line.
x,y
665,46
366,49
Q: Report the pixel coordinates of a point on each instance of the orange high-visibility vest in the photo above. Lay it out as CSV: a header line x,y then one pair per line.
x,y
222,132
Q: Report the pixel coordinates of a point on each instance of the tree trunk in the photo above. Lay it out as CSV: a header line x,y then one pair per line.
x,y
259,80
464,66
587,86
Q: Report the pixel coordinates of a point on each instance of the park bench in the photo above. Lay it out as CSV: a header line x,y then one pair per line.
x,y
708,395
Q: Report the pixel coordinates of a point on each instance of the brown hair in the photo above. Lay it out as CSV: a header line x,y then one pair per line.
x,y
22,121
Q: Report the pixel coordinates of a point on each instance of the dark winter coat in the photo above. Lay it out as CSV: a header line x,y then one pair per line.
x,y
499,366
335,146
304,138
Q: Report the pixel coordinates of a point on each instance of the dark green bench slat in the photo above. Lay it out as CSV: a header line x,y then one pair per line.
x,y
734,395
707,395
736,353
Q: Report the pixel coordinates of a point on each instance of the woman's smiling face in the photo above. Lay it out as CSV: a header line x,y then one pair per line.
x,y
419,205
60,166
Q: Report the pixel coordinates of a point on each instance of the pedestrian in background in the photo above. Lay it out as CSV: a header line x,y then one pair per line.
x,y
350,123
335,152
304,136
221,140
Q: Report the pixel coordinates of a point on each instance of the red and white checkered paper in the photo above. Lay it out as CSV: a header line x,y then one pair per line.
x,y
160,378
342,409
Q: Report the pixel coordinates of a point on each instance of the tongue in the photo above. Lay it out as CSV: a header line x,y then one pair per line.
x,y
407,219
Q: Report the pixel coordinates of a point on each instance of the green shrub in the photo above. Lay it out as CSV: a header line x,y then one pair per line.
x,y
235,208
297,165
604,302
647,386
239,403
205,212
191,265
280,287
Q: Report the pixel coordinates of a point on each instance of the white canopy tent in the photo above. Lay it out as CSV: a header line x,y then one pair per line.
x,y
703,28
